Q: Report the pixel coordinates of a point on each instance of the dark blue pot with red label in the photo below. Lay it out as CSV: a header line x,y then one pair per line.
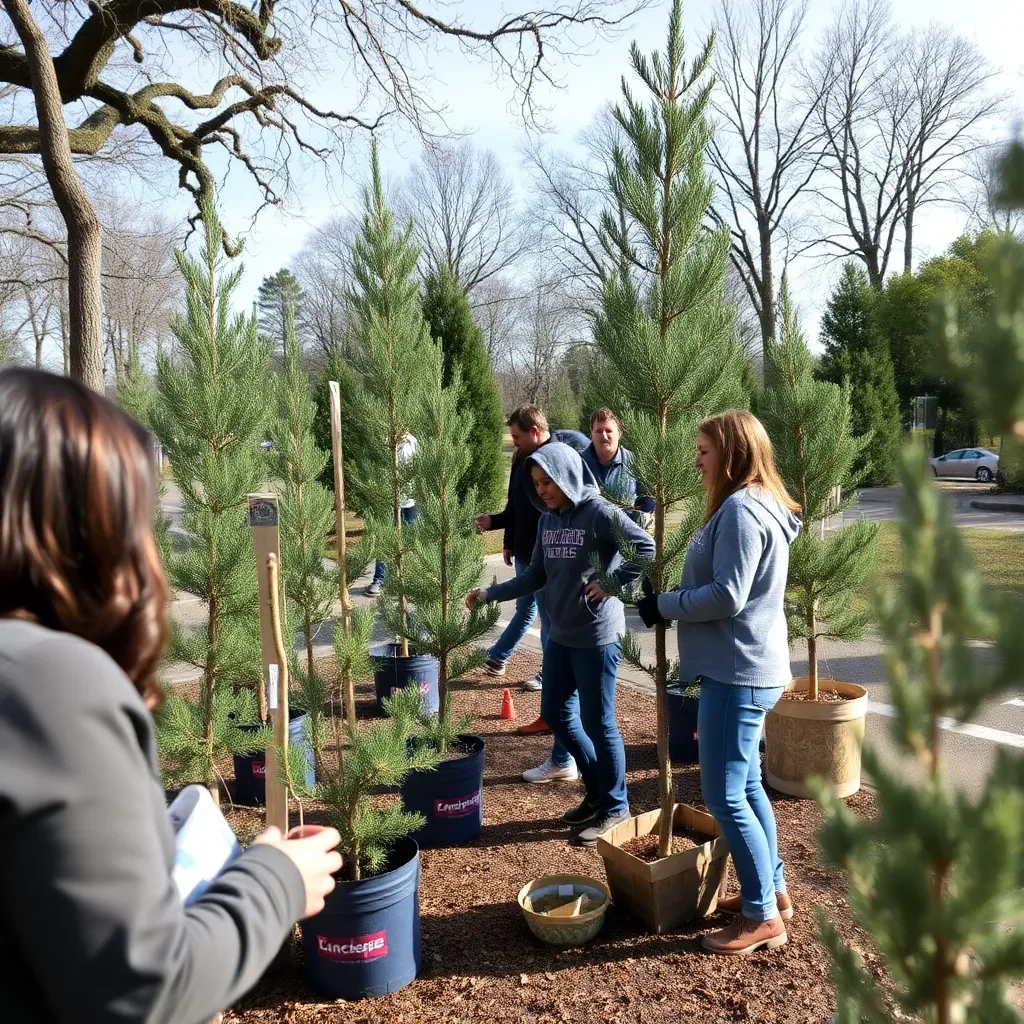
x,y
366,940
251,769
450,797
682,723
392,672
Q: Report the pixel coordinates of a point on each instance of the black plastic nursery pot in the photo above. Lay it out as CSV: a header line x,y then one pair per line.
x,y
392,673
450,797
682,724
251,769
366,940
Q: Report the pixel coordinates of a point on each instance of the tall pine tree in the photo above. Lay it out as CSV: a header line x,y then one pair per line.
x,y
446,310
306,517
936,876
446,558
810,424
393,359
856,350
280,296
664,333
210,413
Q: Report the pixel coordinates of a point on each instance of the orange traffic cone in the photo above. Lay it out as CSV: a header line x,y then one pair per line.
x,y
508,710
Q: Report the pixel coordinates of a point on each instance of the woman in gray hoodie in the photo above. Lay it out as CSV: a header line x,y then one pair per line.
x,y
583,649
733,640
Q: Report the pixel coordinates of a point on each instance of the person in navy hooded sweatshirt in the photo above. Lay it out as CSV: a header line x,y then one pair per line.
x,y
584,644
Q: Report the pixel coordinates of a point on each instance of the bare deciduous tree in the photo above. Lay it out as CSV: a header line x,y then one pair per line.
x,y
980,191
467,218
127,61
900,116
767,144
324,269
574,192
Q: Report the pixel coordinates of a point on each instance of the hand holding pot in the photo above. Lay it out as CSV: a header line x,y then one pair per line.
x,y
312,850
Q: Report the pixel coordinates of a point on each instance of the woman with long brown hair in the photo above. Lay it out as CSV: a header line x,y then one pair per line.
x,y
733,640
93,928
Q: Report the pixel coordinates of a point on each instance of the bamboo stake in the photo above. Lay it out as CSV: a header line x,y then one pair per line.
x,y
282,658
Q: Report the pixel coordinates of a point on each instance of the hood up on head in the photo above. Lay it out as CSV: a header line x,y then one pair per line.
x,y
565,466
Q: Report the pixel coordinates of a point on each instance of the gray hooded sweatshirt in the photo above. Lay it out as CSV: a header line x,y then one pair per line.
x,y
732,623
561,555
92,928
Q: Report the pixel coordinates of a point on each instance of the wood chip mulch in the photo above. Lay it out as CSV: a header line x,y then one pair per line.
x,y
480,962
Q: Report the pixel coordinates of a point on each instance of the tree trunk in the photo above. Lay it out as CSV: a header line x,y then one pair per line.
x,y
812,655
767,291
908,235
83,226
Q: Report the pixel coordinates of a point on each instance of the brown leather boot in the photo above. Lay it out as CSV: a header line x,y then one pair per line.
x,y
745,936
734,905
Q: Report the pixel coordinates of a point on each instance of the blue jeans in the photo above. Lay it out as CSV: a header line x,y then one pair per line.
x,y
591,735
729,720
526,608
408,516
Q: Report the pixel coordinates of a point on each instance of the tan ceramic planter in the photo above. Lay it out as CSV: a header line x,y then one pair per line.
x,y
803,740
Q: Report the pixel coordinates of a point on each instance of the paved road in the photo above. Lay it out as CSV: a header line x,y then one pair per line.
x,y
970,748
883,503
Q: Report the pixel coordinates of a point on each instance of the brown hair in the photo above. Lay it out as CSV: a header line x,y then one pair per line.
x,y
745,459
526,417
602,414
77,492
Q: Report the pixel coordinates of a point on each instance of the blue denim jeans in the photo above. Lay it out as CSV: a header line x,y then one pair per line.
x,y
729,721
408,516
501,651
590,734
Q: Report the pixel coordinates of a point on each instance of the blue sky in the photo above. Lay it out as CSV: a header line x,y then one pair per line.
x,y
478,106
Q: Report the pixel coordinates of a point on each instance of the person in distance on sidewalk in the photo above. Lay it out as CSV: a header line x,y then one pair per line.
x,y
733,638
583,651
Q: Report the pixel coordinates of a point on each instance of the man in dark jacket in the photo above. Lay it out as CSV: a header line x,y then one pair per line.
x,y
529,429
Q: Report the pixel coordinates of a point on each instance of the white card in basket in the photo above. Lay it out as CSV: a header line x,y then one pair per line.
x,y
204,843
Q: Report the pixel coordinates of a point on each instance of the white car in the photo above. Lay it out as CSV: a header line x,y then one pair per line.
x,y
968,464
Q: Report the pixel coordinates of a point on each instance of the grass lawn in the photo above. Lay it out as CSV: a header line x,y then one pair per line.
x,y
998,556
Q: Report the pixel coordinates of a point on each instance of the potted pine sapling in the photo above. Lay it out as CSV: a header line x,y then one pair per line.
x,y
209,412
667,357
443,564
392,348
366,940
817,729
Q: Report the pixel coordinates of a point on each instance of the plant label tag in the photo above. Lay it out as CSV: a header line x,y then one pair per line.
x,y
565,890
272,687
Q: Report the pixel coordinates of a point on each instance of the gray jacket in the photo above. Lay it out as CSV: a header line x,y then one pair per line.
x,y
92,928
561,554
730,606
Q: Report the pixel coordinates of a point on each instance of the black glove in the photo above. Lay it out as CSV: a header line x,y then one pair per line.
x,y
647,606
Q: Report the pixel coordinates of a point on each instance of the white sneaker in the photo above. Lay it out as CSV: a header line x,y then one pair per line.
x,y
533,684
547,772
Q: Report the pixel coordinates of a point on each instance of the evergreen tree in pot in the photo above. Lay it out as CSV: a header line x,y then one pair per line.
x,y
935,876
393,361
667,357
816,729
210,412
664,334
310,583
444,563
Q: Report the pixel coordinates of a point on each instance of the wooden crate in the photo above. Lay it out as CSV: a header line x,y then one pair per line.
x,y
670,892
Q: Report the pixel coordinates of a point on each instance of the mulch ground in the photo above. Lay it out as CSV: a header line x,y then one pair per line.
x,y
481,962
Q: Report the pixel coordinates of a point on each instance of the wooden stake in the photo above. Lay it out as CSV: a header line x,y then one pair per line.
x,y
339,533
263,522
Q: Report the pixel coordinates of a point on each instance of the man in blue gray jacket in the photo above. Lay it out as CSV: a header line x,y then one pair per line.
x,y
612,466
584,646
